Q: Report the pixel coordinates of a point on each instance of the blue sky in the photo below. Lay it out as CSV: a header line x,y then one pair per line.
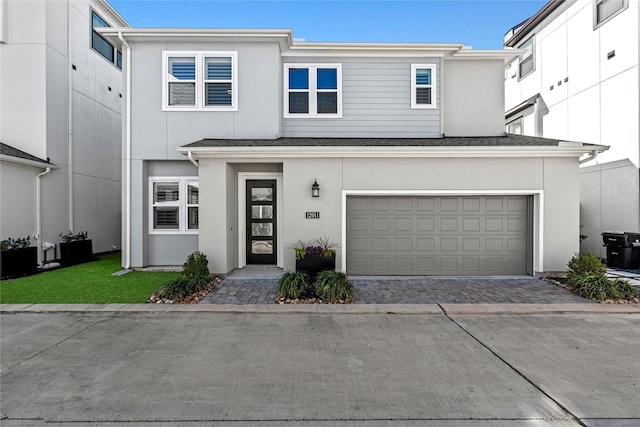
x,y
479,23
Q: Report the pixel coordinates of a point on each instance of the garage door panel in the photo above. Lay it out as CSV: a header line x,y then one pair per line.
x,y
471,235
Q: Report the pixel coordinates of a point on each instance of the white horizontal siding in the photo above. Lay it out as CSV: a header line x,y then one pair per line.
x,y
376,102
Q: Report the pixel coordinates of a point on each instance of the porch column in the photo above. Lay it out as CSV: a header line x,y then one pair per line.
x,y
213,221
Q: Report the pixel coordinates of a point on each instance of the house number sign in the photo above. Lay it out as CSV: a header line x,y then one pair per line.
x,y
313,215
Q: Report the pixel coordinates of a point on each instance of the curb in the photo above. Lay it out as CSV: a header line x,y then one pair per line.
x,y
327,308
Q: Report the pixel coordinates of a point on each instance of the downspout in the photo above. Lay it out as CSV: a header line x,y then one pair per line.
x,y
127,138
39,210
190,156
590,157
70,118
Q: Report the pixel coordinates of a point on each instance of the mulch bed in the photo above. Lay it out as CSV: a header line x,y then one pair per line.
x,y
191,299
282,300
562,282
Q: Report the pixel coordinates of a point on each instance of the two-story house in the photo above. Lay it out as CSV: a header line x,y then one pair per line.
x,y
238,143
61,94
578,79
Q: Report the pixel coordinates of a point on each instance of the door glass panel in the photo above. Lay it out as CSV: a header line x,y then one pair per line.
x,y
262,229
262,247
261,212
262,194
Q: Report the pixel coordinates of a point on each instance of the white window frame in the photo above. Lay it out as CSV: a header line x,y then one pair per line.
x,y
515,122
200,81
313,91
181,203
415,86
531,39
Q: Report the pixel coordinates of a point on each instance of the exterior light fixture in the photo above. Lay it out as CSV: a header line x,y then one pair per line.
x,y
315,189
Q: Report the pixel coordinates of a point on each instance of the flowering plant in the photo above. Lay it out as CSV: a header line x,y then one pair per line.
x,y
70,237
322,246
10,243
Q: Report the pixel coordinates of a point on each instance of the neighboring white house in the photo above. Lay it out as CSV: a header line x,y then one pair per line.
x,y
578,79
60,121
226,131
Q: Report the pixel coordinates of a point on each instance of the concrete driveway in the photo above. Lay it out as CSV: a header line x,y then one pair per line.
x,y
321,366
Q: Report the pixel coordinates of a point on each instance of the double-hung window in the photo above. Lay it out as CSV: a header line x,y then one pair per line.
x,y
174,205
423,86
101,45
313,90
526,62
200,81
604,10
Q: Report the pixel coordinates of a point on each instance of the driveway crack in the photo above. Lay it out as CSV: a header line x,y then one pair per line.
x,y
514,369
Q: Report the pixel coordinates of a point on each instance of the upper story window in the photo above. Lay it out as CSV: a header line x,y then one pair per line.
x,y
102,46
200,81
174,206
526,62
313,90
423,86
604,10
515,126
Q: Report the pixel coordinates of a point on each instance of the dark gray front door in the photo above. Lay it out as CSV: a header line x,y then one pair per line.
x,y
261,222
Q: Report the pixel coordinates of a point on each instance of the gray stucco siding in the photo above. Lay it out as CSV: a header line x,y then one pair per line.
x,y
376,102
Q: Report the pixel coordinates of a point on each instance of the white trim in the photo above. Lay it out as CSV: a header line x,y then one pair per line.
x,y
538,213
182,205
278,152
531,39
242,209
313,91
200,81
415,86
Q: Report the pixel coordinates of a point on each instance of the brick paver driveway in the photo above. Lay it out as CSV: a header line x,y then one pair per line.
x,y
411,290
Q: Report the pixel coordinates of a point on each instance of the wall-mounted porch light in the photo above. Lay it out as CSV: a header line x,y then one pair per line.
x,y
315,189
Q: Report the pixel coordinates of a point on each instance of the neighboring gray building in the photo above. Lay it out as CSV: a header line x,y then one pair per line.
x,y
60,117
227,130
578,79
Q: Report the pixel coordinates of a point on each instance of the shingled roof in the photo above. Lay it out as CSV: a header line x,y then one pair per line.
x,y
509,140
7,150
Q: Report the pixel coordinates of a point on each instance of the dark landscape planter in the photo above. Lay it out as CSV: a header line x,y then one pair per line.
x,y
19,262
78,252
313,264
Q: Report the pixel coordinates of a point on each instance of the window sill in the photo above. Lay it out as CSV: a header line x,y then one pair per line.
x,y
205,109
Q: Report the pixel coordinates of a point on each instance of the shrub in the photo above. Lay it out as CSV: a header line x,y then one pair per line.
x,y
293,284
600,288
184,286
195,277
196,265
70,237
334,285
10,243
585,263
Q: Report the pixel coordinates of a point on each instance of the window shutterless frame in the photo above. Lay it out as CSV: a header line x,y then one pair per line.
x,y
527,61
173,205
100,45
312,90
605,10
210,84
423,86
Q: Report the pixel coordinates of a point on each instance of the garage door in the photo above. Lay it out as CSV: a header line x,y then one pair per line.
x,y
467,235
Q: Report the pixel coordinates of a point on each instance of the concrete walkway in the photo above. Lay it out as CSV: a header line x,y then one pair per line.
x,y
250,287
435,369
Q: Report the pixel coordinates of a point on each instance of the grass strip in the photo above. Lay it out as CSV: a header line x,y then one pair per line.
x,y
89,283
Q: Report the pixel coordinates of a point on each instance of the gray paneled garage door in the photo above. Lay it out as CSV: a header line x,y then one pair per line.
x,y
470,235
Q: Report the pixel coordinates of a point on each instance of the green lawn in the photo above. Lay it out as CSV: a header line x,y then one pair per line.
x,y
90,283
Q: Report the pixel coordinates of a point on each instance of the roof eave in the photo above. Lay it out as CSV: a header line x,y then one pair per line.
x,y
564,149
532,22
27,162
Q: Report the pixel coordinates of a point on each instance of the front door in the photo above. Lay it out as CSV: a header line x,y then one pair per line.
x,y
261,222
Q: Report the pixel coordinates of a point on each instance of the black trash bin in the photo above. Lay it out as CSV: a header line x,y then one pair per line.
x,y
623,249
